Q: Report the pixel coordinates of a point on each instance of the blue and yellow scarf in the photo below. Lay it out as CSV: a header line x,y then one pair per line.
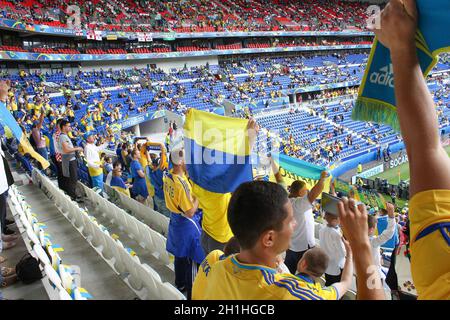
x,y
376,98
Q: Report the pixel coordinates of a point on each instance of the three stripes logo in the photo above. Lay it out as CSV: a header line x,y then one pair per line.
x,y
385,76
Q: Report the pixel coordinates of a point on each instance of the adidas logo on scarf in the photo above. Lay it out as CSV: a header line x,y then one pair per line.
x,y
384,77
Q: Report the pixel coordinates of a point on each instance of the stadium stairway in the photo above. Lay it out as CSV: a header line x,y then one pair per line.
x,y
95,275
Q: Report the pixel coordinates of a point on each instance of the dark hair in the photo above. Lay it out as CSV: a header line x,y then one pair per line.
x,y
232,247
135,151
296,186
316,261
58,123
254,208
63,123
116,164
372,221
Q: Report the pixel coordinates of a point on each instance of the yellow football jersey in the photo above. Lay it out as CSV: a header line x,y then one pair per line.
x,y
200,280
214,206
177,193
231,280
430,244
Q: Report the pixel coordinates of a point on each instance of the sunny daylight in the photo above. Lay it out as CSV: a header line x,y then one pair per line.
x,y
211,151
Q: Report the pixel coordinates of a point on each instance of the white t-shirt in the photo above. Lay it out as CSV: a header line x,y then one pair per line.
x,y
109,178
3,179
377,241
304,232
331,243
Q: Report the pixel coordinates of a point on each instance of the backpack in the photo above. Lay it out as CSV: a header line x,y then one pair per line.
x,y
27,269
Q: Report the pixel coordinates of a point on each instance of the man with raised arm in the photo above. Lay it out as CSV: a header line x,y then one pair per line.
x,y
428,162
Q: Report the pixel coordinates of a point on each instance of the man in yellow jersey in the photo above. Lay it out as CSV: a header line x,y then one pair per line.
x,y
261,218
183,238
429,207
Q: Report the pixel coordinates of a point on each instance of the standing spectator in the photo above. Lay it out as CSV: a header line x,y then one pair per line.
x,y
115,165
393,196
168,141
6,180
378,153
57,158
388,153
7,238
124,155
38,137
69,160
156,170
377,241
170,129
183,239
303,236
360,168
108,165
261,218
382,223
330,241
91,152
139,190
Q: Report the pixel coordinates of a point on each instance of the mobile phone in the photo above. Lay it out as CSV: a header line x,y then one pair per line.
x,y
330,203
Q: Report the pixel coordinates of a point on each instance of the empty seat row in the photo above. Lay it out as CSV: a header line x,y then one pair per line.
x,y
146,237
59,281
154,219
140,277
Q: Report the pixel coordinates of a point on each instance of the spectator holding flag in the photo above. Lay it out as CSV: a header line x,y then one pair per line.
x,y
303,236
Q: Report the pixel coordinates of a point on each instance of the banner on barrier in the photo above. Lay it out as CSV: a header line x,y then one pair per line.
x,y
369,173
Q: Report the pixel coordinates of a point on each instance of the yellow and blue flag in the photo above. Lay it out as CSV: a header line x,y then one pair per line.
x,y
376,99
218,155
218,160
7,120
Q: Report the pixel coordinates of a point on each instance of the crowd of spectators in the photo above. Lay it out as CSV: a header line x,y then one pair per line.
x,y
195,15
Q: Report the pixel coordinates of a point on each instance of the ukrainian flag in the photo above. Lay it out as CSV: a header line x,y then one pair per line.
x,y
217,151
218,160
8,121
